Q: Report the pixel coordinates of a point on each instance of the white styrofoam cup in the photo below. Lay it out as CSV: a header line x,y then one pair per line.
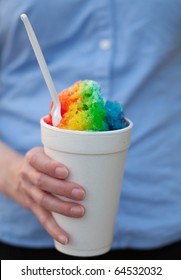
x,y
96,161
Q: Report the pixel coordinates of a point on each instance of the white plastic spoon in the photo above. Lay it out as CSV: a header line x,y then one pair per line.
x,y
56,116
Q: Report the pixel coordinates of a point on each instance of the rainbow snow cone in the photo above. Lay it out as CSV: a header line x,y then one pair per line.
x,y
83,109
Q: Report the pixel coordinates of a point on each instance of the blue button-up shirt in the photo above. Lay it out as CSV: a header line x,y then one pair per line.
x,y
133,49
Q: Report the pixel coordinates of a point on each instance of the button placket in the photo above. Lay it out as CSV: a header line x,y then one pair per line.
x,y
104,34
105,44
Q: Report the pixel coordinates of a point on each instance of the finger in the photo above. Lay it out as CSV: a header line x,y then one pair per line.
x,y
52,185
54,204
41,162
57,186
47,221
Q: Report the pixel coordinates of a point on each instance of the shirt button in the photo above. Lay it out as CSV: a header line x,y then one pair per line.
x,y
105,44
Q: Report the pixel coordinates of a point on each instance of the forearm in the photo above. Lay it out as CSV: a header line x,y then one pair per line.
x,y
8,159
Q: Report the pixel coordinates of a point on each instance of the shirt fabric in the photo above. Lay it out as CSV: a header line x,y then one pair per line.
x,y
133,49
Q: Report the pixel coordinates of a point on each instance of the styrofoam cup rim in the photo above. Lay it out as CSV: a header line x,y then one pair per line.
x,y
67,131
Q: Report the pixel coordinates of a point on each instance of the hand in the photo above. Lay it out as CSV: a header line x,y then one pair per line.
x,y
36,178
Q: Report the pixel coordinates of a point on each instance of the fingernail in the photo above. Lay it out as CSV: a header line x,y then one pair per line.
x,y
61,172
77,211
78,193
63,239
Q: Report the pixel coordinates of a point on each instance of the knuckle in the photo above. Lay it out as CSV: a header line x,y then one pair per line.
x,y
42,199
47,166
22,174
39,180
28,203
31,157
50,166
44,220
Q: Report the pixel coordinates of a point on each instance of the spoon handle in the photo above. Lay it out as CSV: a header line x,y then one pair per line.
x,y
41,60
